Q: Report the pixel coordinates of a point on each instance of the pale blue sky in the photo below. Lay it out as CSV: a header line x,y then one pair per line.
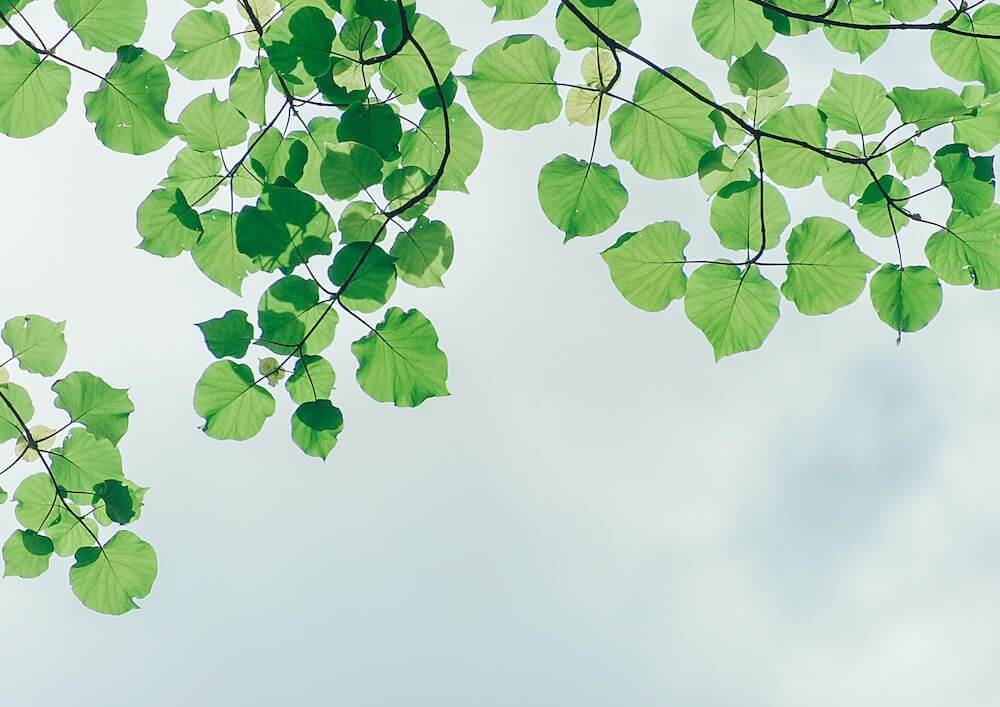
x,y
599,516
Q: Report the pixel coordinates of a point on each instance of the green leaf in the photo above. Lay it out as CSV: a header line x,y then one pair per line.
x,y
730,28
312,379
128,108
33,92
791,26
349,169
119,506
647,267
735,309
90,401
37,343
67,532
969,180
285,229
229,335
618,19
304,35
906,299
909,10
791,165
911,160
407,70
424,147
36,500
212,125
372,275
203,47
84,461
863,42
26,554
757,73
874,211
927,107
167,224
968,251
515,9
721,167
842,180
216,253
981,130
581,198
289,312
361,221
665,133
104,24
735,215
512,83
376,126
316,426
248,92
109,580
856,104
10,427
826,269
400,362
233,405
195,173
971,58
424,253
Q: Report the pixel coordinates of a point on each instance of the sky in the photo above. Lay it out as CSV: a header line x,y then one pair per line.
x,y
600,515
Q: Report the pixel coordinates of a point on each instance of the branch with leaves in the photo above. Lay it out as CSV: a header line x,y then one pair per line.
x,y
81,489
746,150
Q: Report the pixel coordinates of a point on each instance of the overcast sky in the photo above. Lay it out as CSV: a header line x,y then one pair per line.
x,y
599,516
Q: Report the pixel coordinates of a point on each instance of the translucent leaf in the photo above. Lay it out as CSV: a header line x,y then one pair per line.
x,y
618,19
109,580
581,198
968,251
90,401
665,133
511,86
372,274
424,253
229,335
826,269
906,299
312,379
863,42
232,404
400,362
37,343
971,58
735,215
647,267
316,426
730,28
290,310
736,309
856,104
104,24
203,47
128,108
26,554
211,125
33,93
84,461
